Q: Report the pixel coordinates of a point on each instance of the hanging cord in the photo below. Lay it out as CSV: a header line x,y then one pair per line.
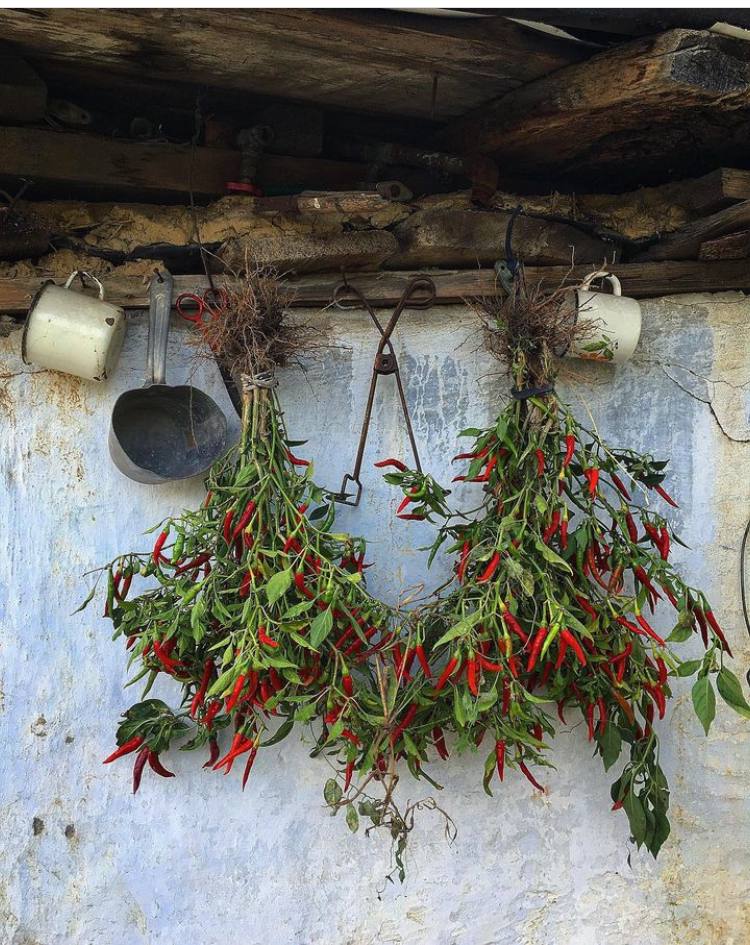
x,y
226,376
743,588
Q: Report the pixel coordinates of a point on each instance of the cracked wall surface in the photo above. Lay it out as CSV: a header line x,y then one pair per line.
x,y
194,859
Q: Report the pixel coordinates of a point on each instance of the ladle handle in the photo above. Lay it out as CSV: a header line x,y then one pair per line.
x,y
160,307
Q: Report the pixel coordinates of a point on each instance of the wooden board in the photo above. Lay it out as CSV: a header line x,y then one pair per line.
x,y
732,246
640,280
113,164
687,241
372,61
623,110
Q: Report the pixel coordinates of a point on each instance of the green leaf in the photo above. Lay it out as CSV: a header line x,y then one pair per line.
x,y
730,691
352,818
610,745
459,709
278,585
459,629
321,627
689,667
88,600
332,792
636,817
280,734
660,833
551,556
704,702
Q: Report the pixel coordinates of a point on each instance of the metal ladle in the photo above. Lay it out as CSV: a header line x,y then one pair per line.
x,y
161,433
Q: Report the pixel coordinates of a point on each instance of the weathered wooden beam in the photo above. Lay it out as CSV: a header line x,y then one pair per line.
x,y
611,110
448,237
23,95
714,191
127,166
687,241
732,246
371,61
640,280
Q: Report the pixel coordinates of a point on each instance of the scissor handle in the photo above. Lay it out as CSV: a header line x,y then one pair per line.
x,y
419,284
192,301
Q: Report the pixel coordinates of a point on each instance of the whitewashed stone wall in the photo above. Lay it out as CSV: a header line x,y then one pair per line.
x,y
196,861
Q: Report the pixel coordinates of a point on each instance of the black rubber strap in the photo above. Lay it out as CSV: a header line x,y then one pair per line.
x,y
526,392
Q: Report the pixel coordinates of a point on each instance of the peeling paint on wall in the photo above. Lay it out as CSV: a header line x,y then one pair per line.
x,y
195,860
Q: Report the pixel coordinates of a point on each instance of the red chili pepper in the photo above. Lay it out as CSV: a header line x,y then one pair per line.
x,y
299,583
347,685
698,613
236,692
249,766
536,647
570,445
162,651
586,605
489,665
663,671
447,673
551,529
471,677
592,477
718,631
411,517
208,668
649,629
211,712
631,526
590,720
396,463
243,521
602,706
407,500
156,555
423,662
529,776
666,496
404,723
439,741
213,753
140,763
348,773
349,736
505,704
461,569
490,569
572,641
562,651
484,476
125,749
157,766
500,758
564,534
620,486
629,626
295,460
539,462
513,625
246,584
194,564
664,542
227,526
560,711
265,639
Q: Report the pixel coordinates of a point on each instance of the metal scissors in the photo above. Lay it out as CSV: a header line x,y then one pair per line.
x,y
202,308
419,293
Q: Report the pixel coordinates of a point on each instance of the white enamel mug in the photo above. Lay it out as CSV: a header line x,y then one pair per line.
x,y
614,319
74,333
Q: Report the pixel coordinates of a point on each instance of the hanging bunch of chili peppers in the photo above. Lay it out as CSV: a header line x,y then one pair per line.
x,y
259,614
561,579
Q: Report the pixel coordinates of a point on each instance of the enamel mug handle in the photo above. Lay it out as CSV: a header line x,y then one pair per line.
x,y
606,277
85,275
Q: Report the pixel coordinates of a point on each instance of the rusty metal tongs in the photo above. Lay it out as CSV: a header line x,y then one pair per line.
x,y
385,363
